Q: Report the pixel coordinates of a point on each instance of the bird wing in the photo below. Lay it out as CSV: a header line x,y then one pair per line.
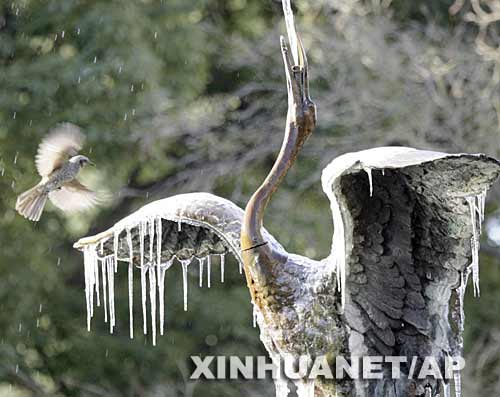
x,y
64,141
192,225
402,242
74,196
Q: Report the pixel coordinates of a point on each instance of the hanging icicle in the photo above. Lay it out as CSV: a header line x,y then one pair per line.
x,y
368,171
96,278
152,300
131,283
116,234
111,291
144,276
104,286
209,266
162,269
158,241
151,239
185,263
476,209
200,264
222,263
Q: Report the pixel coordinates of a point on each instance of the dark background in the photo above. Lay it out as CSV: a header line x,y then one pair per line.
x,y
189,95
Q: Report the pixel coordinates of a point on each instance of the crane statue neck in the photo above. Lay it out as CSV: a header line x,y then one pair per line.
x,y
301,120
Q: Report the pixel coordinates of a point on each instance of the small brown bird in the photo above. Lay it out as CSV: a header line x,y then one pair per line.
x,y
58,163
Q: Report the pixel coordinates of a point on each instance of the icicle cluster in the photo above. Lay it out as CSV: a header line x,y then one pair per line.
x,y
476,208
152,273
108,268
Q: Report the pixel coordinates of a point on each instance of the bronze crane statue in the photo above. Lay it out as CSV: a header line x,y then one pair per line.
x,y
406,239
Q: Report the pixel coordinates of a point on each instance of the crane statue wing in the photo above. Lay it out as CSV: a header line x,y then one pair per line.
x,y
182,227
406,223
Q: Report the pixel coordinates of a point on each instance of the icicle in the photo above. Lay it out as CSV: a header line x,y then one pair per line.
x,y
305,389
93,260
96,276
457,379
222,263
161,291
209,265
86,264
115,248
131,283
240,264
111,291
144,270
104,286
254,316
200,263
185,263
151,240
152,299
142,226
368,171
179,225
473,208
158,241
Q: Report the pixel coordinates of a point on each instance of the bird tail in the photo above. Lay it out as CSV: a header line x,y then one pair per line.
x,y
30,204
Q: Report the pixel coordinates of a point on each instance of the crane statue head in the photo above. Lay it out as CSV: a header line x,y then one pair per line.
x,y
406,239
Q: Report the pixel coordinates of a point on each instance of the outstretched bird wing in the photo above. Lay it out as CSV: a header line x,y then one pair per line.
x,y
63,141
402,248
74,196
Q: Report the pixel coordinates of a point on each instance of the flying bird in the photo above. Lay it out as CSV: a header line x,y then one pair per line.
x,y
58,163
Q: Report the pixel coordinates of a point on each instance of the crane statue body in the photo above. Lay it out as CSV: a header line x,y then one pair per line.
x,y
406,237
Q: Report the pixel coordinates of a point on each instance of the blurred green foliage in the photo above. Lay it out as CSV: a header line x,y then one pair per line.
x,y
114,68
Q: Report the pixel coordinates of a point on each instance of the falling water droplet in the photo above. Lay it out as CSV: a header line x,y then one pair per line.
x,y
40,308
62,34
78,31
14,115
15,157
95,59
156,35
